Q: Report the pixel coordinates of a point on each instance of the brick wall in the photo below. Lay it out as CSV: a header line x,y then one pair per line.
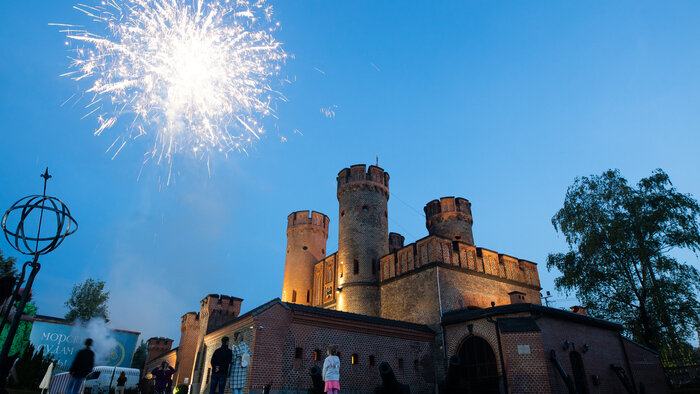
x,y
414,297
534,372
646,368
277,333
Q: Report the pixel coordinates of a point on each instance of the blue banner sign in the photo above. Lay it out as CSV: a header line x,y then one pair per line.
x,y
112,347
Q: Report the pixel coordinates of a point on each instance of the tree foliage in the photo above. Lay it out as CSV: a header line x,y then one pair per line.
x,y
7,266
88,300
139,360
618,262
31,368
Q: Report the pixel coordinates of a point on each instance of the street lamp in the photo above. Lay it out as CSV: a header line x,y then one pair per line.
x,y
21,216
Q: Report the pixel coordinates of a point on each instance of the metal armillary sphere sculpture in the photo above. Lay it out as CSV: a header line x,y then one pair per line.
x,y
23,221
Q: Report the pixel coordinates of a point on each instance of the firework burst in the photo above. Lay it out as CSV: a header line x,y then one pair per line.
x,y
194,74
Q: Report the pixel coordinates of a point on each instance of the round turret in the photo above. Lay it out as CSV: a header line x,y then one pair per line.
x,y
450,218
363,237
306,245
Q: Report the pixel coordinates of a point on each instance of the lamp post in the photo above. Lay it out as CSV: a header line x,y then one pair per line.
x,y
21,217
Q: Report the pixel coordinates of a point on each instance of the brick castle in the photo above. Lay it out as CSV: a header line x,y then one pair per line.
x,y
445,315
373,273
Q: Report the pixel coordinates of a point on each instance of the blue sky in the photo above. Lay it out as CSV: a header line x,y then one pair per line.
x,y
501,103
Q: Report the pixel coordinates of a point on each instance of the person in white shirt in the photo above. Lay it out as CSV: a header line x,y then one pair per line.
x,y
331,371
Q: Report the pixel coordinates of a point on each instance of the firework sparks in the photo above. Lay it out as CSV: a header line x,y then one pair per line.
x,y
196,74
329,112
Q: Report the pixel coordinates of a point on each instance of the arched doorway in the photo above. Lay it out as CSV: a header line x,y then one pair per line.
x,y
479,365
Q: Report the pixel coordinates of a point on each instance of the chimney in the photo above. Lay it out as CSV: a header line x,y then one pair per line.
x,y
579,310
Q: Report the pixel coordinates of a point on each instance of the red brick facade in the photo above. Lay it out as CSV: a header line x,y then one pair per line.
x,y
527,351
287,340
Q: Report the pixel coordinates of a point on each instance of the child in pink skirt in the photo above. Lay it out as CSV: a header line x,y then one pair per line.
x,y
331,371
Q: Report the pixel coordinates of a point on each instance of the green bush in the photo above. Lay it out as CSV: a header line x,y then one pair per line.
x,y
181,389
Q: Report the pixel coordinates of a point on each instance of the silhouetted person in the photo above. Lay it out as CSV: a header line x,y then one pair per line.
x,y
121,382
81,367
220,361
162,375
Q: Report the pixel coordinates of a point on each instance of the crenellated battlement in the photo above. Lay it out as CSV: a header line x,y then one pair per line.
x,y
450,218
460,255
308,219
156,346
189,319
359,176
220,304
448,206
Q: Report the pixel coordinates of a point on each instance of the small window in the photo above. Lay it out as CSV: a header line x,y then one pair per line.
x,y
353,359
308,295
93,375
304,247
355,267
298,353
294,296
371,361
317,355
386,215
323,251
374,266
342,213
401,364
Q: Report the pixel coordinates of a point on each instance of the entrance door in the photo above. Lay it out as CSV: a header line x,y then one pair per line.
x,y
479,365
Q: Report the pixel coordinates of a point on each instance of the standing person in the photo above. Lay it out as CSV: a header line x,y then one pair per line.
x,y
239,365
121,382
220,362
81,367
162,375
331,371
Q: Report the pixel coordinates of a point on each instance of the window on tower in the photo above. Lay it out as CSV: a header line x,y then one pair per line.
x,y
356,267
294,296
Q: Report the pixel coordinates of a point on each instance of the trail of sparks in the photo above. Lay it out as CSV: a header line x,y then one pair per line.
x,y
196,74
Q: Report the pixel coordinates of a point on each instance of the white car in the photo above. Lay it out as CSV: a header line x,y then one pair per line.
x,y
101,379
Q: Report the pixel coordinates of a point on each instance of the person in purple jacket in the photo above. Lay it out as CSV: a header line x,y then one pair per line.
x,y
163,375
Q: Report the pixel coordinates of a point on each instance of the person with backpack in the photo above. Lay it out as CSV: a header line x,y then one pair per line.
x,y
239,365
220,362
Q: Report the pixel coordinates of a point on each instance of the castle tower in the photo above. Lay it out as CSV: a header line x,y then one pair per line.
x,y
187,349
450,218
215,310
306,245
156,346
363,237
